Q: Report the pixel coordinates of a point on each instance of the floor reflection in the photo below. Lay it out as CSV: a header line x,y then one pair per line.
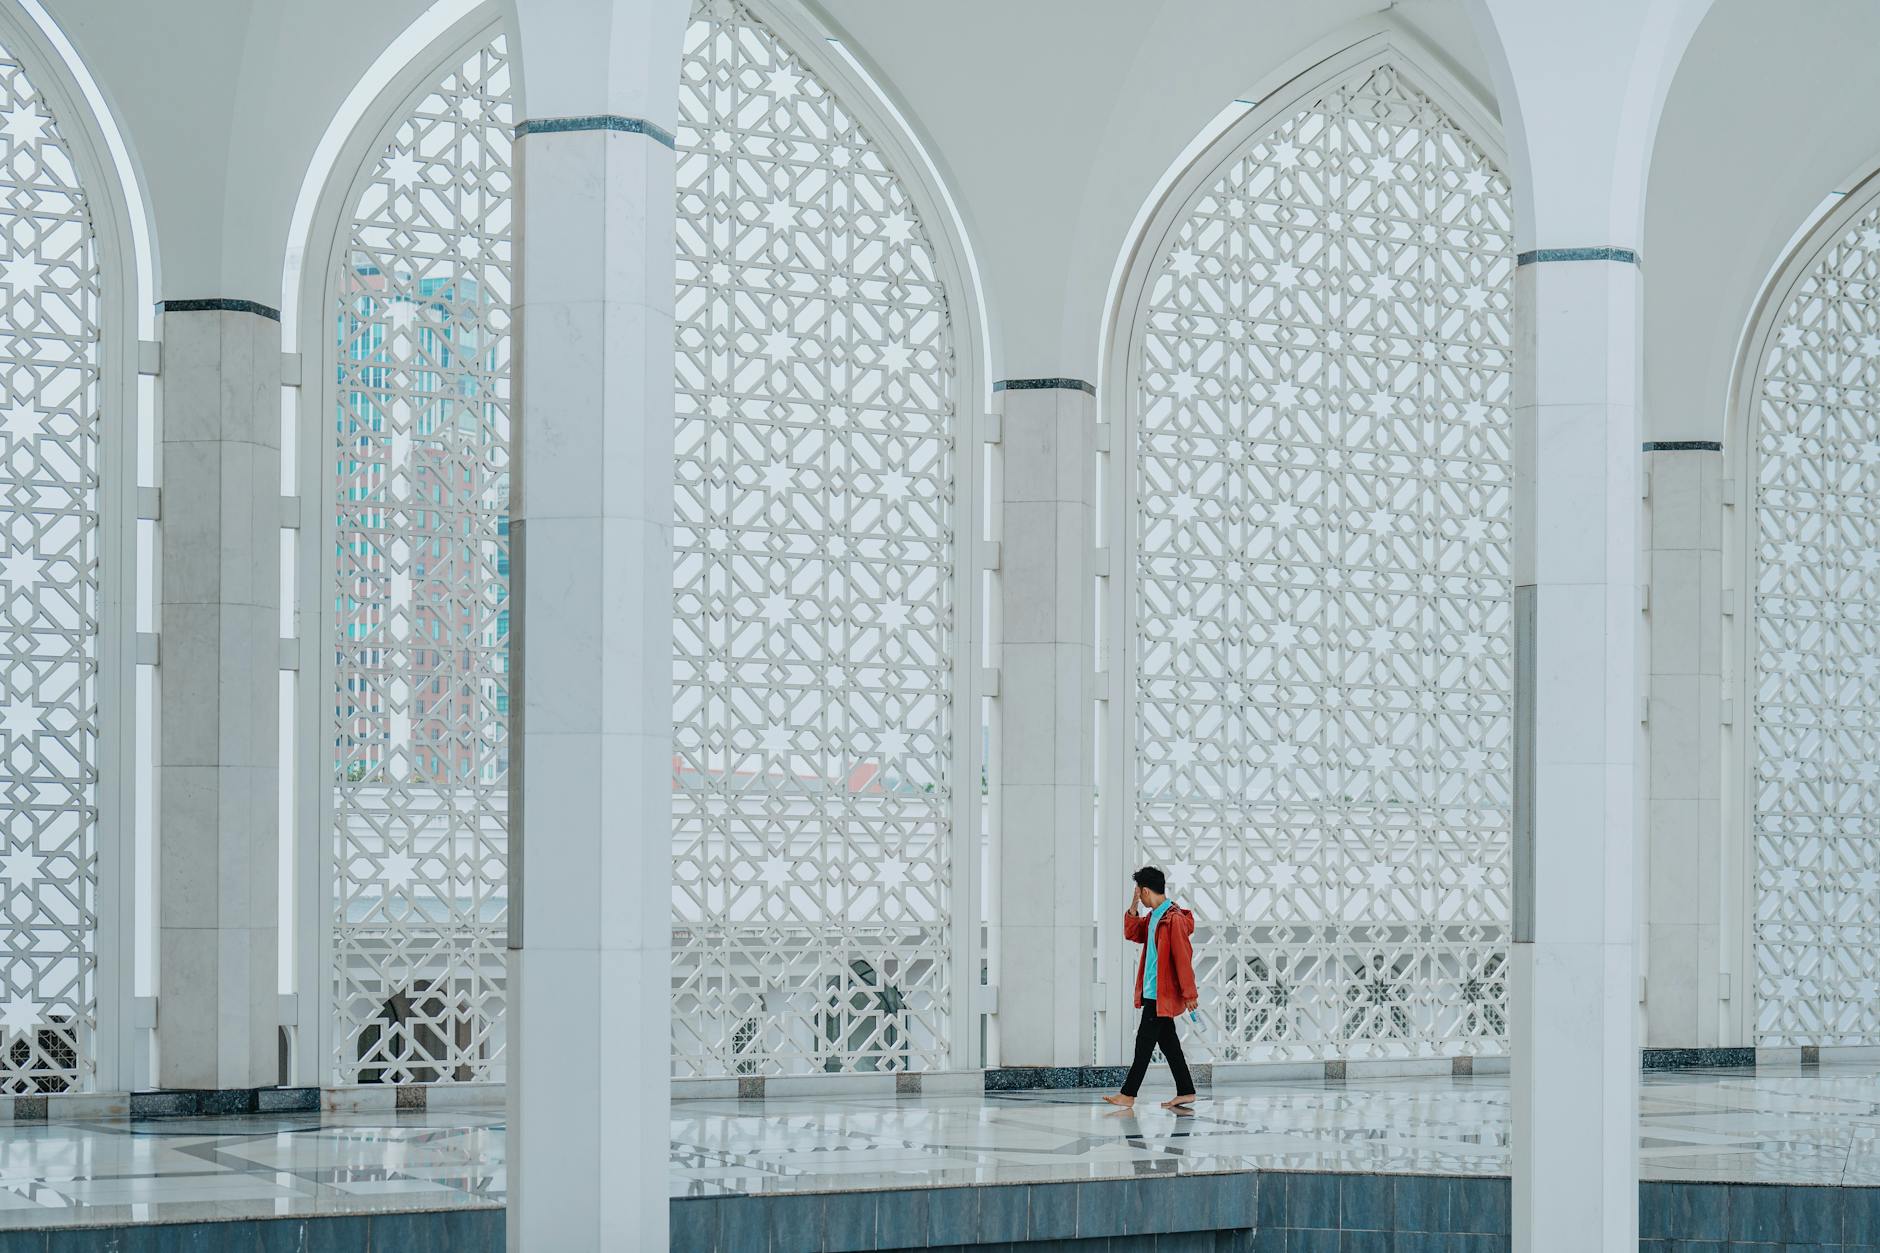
x,y
1814,1125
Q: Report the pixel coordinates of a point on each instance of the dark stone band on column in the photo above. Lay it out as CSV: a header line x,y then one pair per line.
x,y
1036,1078
596,122
1697,1058
1603,253
1039,385
212,1102
1683,445
220,304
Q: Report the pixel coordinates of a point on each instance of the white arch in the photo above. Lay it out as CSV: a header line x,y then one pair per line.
x,y
889,126
1242,121
934,178
433,46
1783,273
119,225
1823,232
845,68
1274,96
1237,129
367,107
373,106
126,183
889,148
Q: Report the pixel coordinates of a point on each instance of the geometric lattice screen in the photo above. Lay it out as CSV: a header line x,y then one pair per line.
x,y
421,493
1816,655
50,295
814,565
1323,634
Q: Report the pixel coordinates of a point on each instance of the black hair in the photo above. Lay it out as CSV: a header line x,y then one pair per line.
x,y
1153,879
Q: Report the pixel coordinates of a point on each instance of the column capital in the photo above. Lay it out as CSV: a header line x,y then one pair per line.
x,y
1579,143
593,58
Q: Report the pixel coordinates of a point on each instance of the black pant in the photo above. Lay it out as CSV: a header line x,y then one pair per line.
x,y
1155,1030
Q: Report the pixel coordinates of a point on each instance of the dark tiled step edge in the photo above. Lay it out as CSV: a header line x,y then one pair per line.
x,y
432,1231
209,1102
1162,1205
1756,1216
1030,1078
918,1218
1698,1059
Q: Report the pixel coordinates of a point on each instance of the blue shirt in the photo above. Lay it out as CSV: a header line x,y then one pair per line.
x,y
1148,962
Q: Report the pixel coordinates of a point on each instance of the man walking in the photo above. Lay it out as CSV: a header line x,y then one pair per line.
x,y
1165,984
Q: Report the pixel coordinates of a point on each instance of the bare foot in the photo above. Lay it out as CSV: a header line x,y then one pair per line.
x,y
1121,1102
1180,1102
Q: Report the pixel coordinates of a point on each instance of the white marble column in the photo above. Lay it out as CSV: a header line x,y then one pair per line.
x,y
1580,154
591,562
1046,974
1573,996
1687,1001
219,721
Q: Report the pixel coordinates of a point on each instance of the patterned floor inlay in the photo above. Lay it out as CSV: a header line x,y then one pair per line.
x,y
1808,1126
253,1166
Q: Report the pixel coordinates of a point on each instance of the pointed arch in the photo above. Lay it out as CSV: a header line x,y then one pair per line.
x,y
826,817
75,284
404,444
878,225
1312,366
1804,421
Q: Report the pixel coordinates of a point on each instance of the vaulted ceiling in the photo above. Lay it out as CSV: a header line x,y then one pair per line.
x,y
1051,120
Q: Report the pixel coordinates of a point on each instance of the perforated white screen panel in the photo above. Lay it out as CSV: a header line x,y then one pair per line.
x,y
1815,654
421,629
1323,688
814,604
50,297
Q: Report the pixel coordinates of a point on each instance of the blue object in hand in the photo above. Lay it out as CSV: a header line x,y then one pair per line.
x,y
1193,1017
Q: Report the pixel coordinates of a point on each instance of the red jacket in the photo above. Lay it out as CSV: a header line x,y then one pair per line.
x,y
1174,958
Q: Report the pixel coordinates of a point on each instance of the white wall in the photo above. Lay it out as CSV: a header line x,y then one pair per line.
x,y
1054,119
221,103
1774,106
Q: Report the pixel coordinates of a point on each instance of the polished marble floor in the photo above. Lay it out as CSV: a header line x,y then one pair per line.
x,y
86,1173
1815,1126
